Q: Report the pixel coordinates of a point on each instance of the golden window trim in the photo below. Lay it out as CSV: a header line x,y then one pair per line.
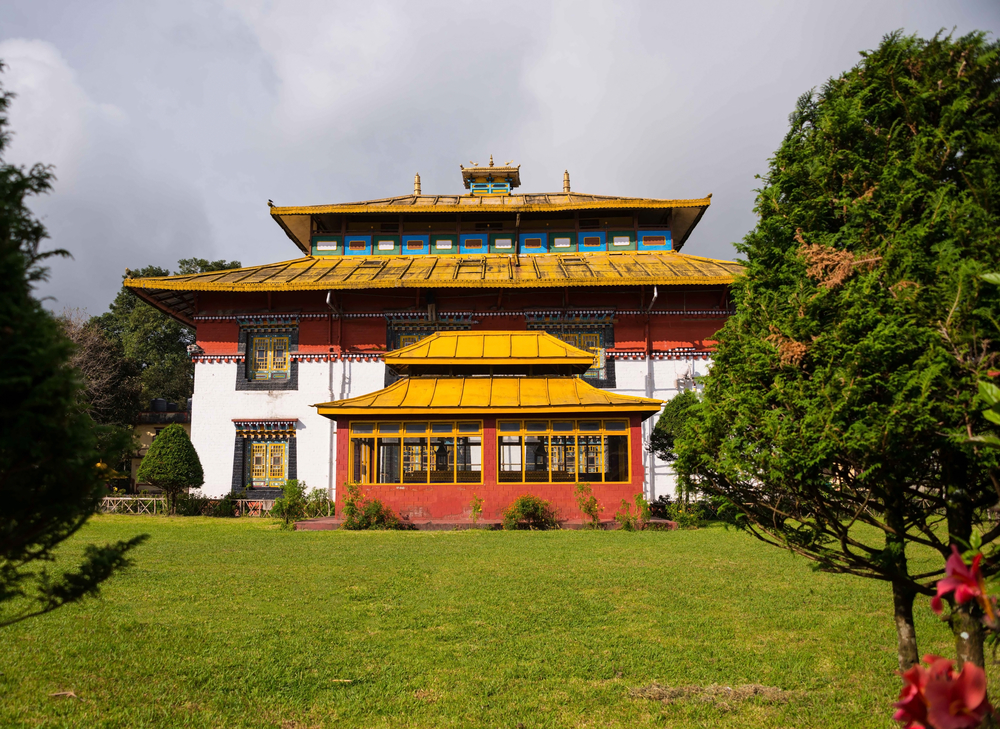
x,y
618,427
380,430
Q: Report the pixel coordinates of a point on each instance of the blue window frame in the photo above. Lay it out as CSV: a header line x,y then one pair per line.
x,y
358,245
416,245
591,241
655,240
474,243
534,243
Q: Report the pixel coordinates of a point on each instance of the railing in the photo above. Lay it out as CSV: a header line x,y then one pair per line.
x,y
158,505
134,505
254,507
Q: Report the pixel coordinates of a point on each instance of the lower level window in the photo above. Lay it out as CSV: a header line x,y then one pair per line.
x,y
562,451
421,452
268,464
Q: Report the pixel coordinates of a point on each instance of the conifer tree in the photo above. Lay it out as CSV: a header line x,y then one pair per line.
x,y
171,463
837,413
50,453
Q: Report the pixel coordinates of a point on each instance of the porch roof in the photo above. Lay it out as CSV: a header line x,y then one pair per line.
x,y
507,349
467,396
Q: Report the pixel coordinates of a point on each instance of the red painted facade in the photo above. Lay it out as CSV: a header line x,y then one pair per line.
x,y
453,501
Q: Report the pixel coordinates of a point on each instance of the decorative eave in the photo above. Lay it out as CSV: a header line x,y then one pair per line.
x,y
472,396
175,295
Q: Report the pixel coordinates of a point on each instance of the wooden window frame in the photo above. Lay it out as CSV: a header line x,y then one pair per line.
x,y
523,433
377,433
269,368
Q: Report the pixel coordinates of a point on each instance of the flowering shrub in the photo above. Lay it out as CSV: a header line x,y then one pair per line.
x,y
587,502
360,512
629,522
529,512
939,697
475,508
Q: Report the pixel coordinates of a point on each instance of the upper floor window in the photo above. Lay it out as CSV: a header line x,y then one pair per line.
x,y
270,357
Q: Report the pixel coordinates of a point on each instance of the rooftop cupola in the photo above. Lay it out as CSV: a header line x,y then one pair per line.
x,y
490,180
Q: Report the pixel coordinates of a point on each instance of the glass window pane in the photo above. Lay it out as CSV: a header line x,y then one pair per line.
x,y
388,427
442,427
416,460
590,425
563,458
469,459
388,460
442,455
616,458
536,426
509,458
416,427
362,427
536,459
589,456
509,426
362,460
562,426
616,425
469,428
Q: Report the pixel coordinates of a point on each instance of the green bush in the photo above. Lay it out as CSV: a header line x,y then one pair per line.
x,y
291,507
192,504
629,522
588,504
360,512
687,516
172,464
318,503
529,512
475,509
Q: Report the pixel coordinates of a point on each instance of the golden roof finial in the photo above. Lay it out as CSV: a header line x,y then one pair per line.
x,y
491,160
416,184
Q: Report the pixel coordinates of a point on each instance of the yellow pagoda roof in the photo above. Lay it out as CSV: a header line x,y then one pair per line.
x,y
542,202
466,396
489,348
174,294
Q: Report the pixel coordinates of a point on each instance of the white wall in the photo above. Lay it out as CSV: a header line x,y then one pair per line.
x,y
216,402
631,379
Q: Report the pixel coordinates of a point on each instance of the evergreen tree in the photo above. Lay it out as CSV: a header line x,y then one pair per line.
x,y
50,480
172,464
842,392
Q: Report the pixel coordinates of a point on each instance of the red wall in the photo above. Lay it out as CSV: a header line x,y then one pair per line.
x,y
452,501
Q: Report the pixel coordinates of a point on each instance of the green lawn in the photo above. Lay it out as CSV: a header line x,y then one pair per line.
x,y
235,623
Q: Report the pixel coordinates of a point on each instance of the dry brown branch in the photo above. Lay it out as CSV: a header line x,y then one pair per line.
x,y
831,267
791,351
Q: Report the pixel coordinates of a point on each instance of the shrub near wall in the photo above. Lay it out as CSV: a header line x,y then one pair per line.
x,y
529,512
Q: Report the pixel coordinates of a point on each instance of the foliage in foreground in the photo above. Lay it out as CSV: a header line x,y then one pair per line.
x,y
50,447
172,464
633,522
588,505
361,512
529,512
840,385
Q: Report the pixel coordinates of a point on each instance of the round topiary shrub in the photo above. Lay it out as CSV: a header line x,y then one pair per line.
x,y
172,464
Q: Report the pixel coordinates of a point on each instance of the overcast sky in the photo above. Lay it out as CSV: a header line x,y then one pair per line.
x,y
171,123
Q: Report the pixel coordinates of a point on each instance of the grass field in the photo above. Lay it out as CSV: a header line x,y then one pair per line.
x,y
235,623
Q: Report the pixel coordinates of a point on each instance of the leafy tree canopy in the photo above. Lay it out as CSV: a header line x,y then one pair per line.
x,y
156,343
50,475
842,386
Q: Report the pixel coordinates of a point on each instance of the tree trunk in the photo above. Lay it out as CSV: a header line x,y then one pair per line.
x,y
906,633
969,636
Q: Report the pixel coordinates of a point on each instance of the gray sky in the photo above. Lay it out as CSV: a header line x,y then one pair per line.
x,y
172,123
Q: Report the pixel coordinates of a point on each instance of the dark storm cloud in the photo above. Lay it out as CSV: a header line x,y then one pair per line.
x,y
172,123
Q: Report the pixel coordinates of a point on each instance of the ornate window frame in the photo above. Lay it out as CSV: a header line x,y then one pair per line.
x,y
268,432
271,327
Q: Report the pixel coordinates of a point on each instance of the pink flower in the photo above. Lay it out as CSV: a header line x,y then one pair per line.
x,y
938,697
966,582
912,707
